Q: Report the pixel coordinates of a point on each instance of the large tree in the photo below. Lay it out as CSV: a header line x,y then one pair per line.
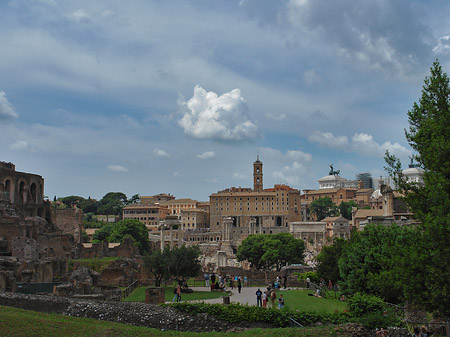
x,y
271,251
428,273
327,260
158,264
371,260
131,228
323,207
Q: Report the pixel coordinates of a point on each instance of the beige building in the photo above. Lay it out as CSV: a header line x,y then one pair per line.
x,y
239,212
177,206
194,218
149,214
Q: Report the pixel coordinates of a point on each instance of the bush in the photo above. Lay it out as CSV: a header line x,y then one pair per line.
x,y
280,318
311,274
361,304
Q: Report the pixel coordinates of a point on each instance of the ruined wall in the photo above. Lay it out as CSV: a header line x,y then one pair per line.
x,y
69,221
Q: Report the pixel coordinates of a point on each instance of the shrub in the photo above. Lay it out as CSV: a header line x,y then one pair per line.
x,y
311,274
361,304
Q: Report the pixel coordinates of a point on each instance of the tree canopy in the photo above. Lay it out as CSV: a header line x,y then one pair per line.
x,y
268,251
345,208
179,262
428,135
323,207
327,259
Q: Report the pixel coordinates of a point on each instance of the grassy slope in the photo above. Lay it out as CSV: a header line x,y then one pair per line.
x,y
18,323
299,300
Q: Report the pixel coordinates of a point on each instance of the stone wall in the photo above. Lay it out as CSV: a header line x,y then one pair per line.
x,y
69,221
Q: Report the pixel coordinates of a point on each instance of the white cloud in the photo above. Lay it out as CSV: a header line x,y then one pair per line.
x,y
291,174
117,168
7,111
299,155
20,145
225,117
161,153
310,77
276,117
206,155
239,176
79,15
361,143
443,46
327,139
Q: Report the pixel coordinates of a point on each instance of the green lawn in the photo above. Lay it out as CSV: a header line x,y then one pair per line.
x,y
138,295
18,323
299,300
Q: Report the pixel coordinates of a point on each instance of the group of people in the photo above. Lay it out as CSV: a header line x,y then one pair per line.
x,y
219,282
262,299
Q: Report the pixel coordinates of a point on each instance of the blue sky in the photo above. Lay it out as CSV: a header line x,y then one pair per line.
x,y
148,97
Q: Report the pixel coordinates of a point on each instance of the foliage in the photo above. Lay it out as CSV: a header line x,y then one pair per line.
x,y
323,207
429,134
370,261
345,208
184,262
103,233
237,313
313,277
112,203
131,228
267,251
327,260
157,263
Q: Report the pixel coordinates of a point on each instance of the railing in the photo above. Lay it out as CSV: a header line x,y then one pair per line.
x,y
128,290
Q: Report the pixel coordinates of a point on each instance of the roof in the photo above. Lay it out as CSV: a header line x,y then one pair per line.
x,y
363,213
178,201
334,218
91,231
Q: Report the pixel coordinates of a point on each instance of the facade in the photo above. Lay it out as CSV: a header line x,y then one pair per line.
x,y
194,218
177,206
366,178
239,212
149,214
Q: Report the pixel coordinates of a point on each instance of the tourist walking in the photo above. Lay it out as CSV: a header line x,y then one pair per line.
x,y
273,296
264,299
280,302
206,280
213,278
259,298
239,285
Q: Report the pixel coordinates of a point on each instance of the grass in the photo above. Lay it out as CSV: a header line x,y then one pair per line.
x,y
96,264
138,295
18,323
300,300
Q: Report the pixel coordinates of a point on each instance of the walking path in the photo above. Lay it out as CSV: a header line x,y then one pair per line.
x,y
247,295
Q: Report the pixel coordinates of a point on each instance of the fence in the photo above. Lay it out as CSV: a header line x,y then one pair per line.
x,y
128,290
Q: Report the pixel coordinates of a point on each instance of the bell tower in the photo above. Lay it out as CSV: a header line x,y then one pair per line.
x,y
257,175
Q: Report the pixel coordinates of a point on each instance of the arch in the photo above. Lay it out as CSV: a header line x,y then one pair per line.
x,y
8,189
22,194
33,190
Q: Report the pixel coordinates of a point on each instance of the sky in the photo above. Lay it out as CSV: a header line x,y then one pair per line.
x,y
179,97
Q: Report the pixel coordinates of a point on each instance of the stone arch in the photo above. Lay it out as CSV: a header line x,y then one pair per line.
x,y
22,192
33,192
279,221
8,186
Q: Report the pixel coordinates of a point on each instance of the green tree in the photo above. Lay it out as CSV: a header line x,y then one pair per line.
x,y
371,260
131,228
429,133
112,203
268,251
158,264
184,262
327,260
345,208
323,207
103,233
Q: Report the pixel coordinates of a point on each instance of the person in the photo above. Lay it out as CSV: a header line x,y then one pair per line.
x,y
284,280
239,284
213,278
273,296
175,297
259,298
245,280
206,280
264,299
330,284
177,292
280,301
342,298
307,282
317,293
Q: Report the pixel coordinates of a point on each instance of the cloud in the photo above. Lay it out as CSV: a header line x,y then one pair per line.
x,y
79,15
443,46
299,155
361,143
7,111
117,168
239,176
161,153
310,77
291,174
20,145
276,117
225,117
206,155
327,139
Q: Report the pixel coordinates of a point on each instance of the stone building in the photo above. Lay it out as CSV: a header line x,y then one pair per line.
x,y
147,213
239,212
